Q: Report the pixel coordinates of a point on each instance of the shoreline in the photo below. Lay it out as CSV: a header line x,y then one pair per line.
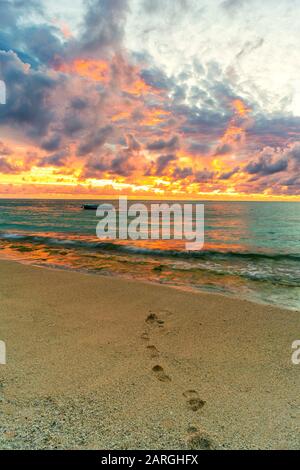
x,y
109,363
127,277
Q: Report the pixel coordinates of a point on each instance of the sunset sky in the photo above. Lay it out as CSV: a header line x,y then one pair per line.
x,y
150,98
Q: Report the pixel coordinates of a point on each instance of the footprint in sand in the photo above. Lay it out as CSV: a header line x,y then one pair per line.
x,y
145,336
193,401
160,374
153,320
154,352
199,440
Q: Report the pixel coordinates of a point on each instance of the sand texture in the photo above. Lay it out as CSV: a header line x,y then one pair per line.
x,y
103,363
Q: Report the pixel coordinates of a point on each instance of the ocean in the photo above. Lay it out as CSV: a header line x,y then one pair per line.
x,y
251,249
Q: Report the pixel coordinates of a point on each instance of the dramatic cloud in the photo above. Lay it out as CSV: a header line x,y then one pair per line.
x,y
103,26
187,98
161,144
267,165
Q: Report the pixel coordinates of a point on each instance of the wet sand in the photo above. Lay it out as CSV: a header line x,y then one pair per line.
x,y
104,363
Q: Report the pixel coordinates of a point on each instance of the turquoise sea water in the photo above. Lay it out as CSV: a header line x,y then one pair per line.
x,y
252,249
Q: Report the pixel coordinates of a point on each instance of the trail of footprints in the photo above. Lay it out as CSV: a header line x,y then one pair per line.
x,y
196,439
153,321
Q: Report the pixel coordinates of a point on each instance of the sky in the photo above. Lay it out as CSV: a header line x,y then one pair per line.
x,y
150,98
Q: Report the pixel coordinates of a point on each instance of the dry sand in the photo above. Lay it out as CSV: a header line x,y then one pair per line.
x,y
97,362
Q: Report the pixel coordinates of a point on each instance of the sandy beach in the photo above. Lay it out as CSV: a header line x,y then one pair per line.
x,y
104,363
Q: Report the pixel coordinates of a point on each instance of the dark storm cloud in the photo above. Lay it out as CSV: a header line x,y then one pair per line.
x,y
79,103
73,124
103,25
32,105
57,159
181,173
42,43
267,164
162,163
178,93
27,94
129,159
223,149
228,174
272,131
125,162
158,145
209,103
102,30
199,147
294,181
122,164
203,176
95,168
156,78
196,94
37,44
294,152
94,140
200,122
52,143
197,176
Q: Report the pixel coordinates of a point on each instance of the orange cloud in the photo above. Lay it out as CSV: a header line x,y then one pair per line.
x,y
138,88
234,135
96,70
155,116
240,107
120,116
